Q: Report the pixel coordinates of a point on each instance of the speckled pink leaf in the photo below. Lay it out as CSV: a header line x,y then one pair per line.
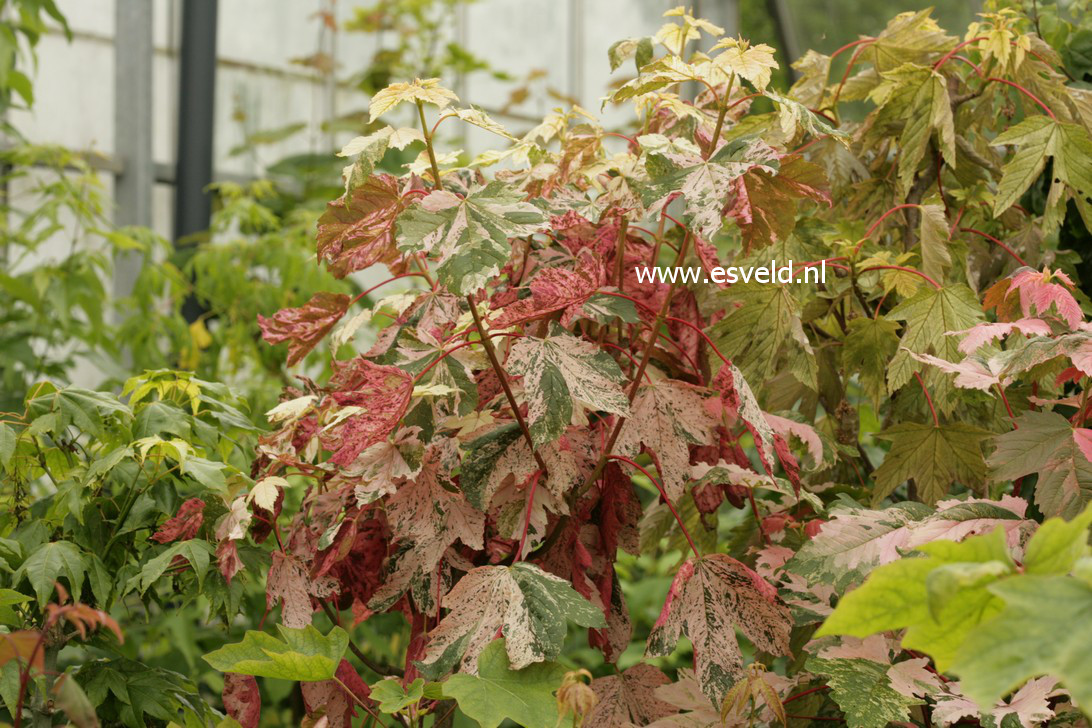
x,y
629,698
709,599
357,230
378,396
304,327
242,701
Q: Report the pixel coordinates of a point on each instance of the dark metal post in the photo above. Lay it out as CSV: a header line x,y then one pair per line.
x,y
134,55
196,92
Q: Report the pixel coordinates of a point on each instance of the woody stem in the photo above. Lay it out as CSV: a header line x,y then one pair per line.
x,y
499,370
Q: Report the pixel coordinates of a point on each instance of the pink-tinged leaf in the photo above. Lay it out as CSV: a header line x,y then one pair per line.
x,y
554,289
1083,437
806,433
242,701
709,599
378,397
427,515
227,558
971,373
290,585
336,701
666,418
1030,704
912,678
876,648
1034,292
985,333
741,405
765,203
184,525
629,698
357,231
305,326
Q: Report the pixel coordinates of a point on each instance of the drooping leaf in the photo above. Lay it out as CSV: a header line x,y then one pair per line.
x,y
868,347
467,236
305,655
496,691
935,258
184,525
560,371
373,398
530,607
765,206
306,326
666,418
710,598
242,700
357,230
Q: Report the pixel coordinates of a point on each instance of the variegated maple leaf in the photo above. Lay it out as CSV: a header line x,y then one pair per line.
x,y
502,454
426,516
561,371
666,418
418,91
856,540
304,327
1034,293
765,203
371,400
704,184
554,289
357,230
710,598
528,606
629,698
468,236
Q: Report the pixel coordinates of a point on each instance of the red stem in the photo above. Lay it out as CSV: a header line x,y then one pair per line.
x,y
928,398
876,224
802,694
389,280
992,239
847,46
905,270
1027,93
667,500
944,59
527,517
1008,408
849,67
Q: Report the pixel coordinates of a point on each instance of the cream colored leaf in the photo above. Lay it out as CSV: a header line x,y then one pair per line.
x,y
427,91
265,491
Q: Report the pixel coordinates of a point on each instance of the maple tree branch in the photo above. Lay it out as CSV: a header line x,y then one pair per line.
x,y
721,114
376,667
390,280
660,487
499,371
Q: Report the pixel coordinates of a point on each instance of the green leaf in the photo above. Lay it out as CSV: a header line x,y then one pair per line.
x,y
197,552
49,561
1035,135
1044,444
935,258
304,655
530,606
862,689
468,236
7,444
929,314
1044,628
8,598
392,697
143,691
761,330
559,370
897,596
935,457
498,692
867,349
604,309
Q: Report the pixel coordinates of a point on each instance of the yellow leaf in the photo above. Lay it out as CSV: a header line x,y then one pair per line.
x,y
427,91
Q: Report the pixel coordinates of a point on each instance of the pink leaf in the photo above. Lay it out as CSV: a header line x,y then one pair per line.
x,y
305,326
242,701
185,524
